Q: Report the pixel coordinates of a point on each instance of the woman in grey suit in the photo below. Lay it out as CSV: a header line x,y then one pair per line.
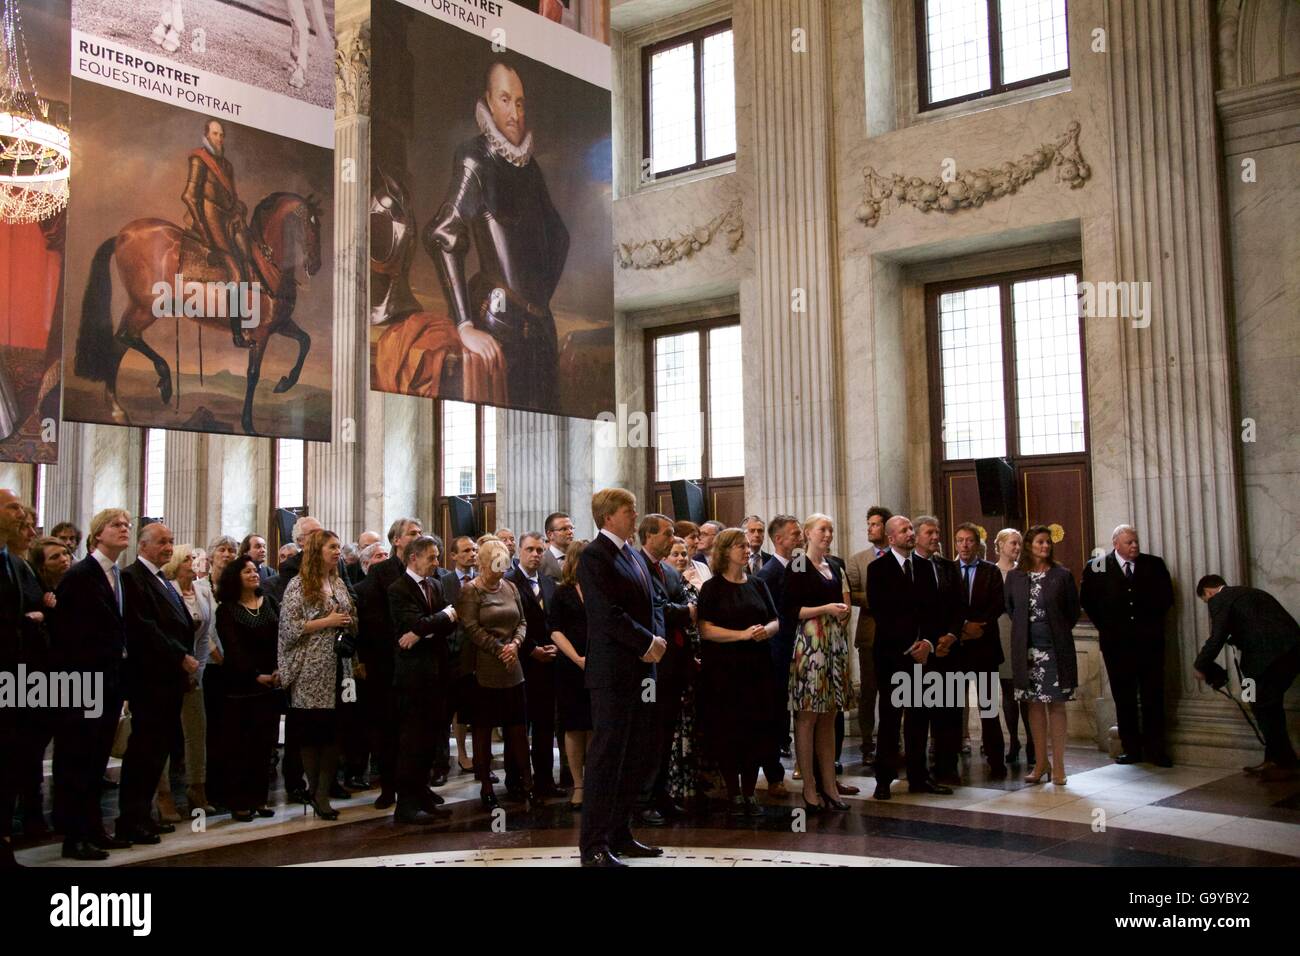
x,y
1043,604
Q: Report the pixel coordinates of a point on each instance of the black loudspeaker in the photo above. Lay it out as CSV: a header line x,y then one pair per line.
x,y
284,522
997,481
463,522
688,501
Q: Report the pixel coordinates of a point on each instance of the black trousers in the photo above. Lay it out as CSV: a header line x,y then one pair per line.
x,y
81,749
539,686
1270,714
214,712
915,723
773,769
670,684
618,763
252,725
11,766
154,722
1135,664
380,702
420,713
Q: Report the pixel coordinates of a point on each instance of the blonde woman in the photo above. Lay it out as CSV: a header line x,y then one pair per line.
x,y
1043,604
566,617
814,596
1006,553
317,611
492,617
201,608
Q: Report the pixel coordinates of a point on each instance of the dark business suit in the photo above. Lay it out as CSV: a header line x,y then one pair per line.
x,y
376,649
87,634
621,627
983,603
1129,613
946,722
539,677
673,669
906,611
17,634
36,725
267,575
419,680
159,635
1268,637
781,646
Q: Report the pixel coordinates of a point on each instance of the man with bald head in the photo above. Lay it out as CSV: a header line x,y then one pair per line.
x,y
1127,595
160,636
498,205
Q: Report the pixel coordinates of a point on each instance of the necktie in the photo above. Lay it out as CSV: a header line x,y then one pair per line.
x,y
117,587
754,563
640,571
879,551
907,569
966,570
428,594
173,595
1128,570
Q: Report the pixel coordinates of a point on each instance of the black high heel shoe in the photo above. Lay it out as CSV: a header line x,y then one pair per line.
x,y
324,812
813,808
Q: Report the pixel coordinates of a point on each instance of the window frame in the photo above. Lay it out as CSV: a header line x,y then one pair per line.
x,y
144,475
703,327
941,467
996,86
484,501
696,38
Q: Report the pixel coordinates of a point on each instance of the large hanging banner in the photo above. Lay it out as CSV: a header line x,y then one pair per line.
x,y
200,249
33,194
490,232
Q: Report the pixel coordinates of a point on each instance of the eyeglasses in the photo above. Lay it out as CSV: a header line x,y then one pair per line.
x,y
119,523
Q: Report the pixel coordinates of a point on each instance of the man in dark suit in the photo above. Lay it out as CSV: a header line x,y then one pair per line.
x,y
254,545
1127,598
13,627
754,532
88,635
376,648
787,535
708,534
559,535
903,593
421,622
979,645
1268,637
159,649
945,721
656,534
537,655
624,642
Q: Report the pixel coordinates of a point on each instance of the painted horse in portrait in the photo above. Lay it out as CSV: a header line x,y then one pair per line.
x,y
284,235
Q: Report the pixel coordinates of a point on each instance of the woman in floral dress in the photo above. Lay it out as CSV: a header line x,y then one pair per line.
x,y
1043,604
686,764
815,596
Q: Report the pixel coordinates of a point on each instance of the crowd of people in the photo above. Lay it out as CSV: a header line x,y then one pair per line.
x,y
665,661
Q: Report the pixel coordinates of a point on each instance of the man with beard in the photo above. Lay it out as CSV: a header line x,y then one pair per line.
x,y
498,204
215,214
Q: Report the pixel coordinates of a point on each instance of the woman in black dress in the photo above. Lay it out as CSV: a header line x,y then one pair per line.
x,y
567,620
735,700
248,623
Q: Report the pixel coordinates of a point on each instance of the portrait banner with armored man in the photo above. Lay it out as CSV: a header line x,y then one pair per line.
x,y
200,254
490,229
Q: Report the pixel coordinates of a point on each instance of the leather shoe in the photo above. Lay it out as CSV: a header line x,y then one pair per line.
x,y
602,858
432,798
951,779
652,817
882,791
928,786
1129,758
159,828
439,781
138,835
80,850
385,800
637,849
105,842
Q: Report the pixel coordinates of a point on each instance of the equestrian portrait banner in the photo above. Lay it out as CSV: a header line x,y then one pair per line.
x,y
32,231
490,232
200,244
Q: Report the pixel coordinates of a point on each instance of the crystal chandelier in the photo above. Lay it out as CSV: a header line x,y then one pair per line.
x,y
35,149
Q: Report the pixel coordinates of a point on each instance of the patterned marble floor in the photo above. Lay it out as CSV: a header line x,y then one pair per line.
x,y
1105,815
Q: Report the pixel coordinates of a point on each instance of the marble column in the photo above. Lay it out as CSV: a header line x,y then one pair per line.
x,y
789,305
1184,482
335,470
65,500
532,460
185,487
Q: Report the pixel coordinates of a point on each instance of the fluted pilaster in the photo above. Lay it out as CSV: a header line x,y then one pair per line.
x,y
532,462
63,489
185,486
790,303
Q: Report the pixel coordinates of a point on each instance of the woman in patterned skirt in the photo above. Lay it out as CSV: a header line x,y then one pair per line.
x,y
814,596
686,766
1043,604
